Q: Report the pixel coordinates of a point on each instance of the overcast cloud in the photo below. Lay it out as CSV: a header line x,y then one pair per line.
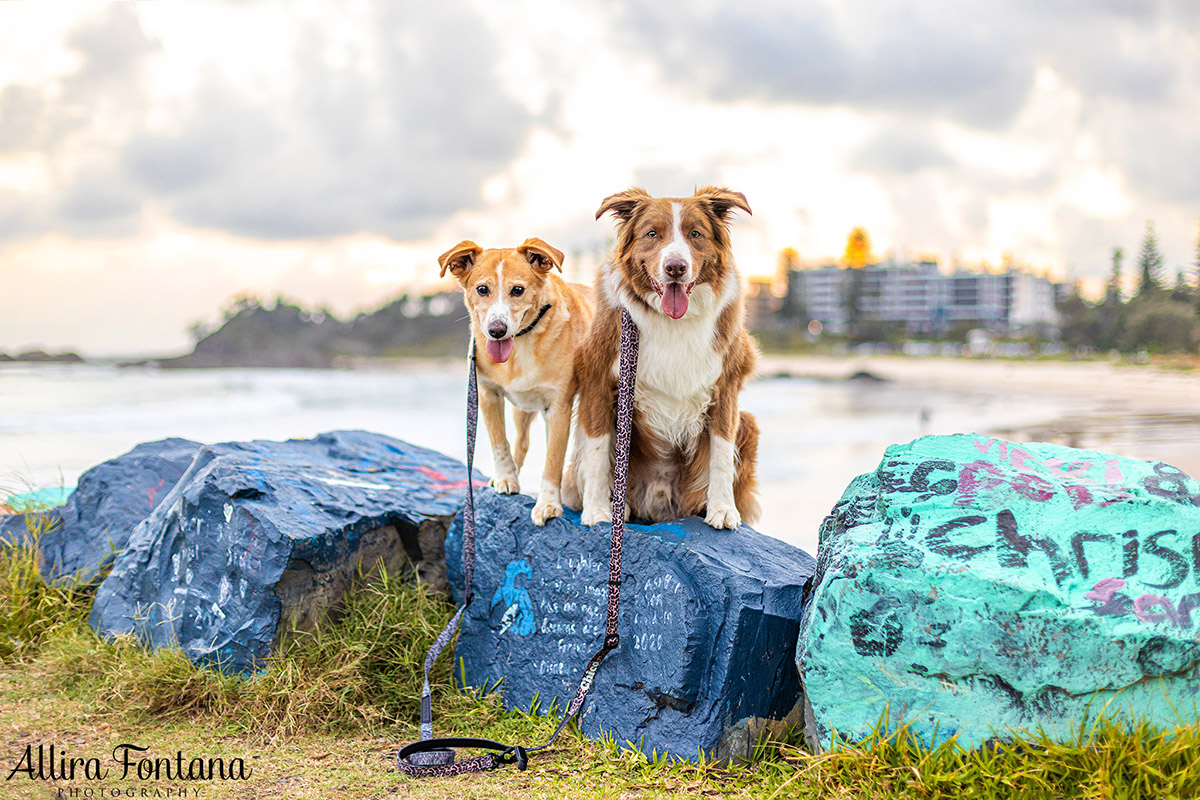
x,y
173,156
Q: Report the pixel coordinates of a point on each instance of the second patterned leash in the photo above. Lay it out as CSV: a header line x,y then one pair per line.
x,y
436,757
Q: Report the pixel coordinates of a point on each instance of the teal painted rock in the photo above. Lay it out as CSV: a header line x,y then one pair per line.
x,y
974,587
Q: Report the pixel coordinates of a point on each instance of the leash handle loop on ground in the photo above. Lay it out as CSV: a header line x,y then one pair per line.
x,y
435,757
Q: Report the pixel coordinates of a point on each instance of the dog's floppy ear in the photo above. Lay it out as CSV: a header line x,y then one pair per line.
x,y
540,255
622,204
722,200
459,259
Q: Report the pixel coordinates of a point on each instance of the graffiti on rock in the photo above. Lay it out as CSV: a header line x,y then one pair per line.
x,y
511,609
1160,559
1110,601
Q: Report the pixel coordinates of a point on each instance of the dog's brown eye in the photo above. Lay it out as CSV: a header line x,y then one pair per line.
x,y
651,234
483,291
695,234
517,291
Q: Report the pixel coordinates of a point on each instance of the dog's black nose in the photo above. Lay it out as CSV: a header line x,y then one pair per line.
x,y
676,268
497,329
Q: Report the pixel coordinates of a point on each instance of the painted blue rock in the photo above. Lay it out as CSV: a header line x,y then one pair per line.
x,y
708,624
38,499
258,537
13,530
976,587
79,538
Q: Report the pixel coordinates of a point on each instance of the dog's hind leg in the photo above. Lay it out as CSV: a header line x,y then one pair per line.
x,y
572,497
521,420
720,507
558,431
745,485
597,415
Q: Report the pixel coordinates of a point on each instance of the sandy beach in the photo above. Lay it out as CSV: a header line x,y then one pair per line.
x,y
1141,411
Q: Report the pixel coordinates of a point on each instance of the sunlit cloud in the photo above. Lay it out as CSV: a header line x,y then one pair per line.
x,y
158,159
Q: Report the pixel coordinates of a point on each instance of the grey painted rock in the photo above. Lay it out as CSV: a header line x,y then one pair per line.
x,y
976,587
257,537
708,623
79,538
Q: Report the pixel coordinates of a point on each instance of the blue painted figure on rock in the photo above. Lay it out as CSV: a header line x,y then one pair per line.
x,y
511,607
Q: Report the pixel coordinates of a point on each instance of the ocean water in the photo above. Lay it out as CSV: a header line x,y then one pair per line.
x,y
57,421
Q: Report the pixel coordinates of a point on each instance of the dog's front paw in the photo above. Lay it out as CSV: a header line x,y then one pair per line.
x,y
545,510
594,516
506,484
723,516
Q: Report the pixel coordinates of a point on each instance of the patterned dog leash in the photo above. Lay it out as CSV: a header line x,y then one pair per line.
x,y
431,757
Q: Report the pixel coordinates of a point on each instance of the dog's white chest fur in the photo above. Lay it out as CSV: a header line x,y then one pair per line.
x,y
678,367
531,400
677,370
527,393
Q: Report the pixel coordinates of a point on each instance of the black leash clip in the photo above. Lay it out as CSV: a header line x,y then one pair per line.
x,y
515,755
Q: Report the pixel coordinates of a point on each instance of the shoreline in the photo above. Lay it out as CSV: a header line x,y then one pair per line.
x,y
1149,412
1141,411
1144,387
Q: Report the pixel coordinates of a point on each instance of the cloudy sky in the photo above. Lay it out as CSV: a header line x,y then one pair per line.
x,y
157,159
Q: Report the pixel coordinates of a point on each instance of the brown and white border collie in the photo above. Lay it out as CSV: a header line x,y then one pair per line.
x,y
527,324
691,449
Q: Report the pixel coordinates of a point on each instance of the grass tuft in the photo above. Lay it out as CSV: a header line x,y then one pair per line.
x,y
1111,759
362,671
33,611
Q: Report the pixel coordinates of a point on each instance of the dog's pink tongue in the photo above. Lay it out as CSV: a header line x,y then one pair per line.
x,y
499,351
674,300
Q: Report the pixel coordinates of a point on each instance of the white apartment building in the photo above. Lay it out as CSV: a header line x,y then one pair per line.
x,y
923,299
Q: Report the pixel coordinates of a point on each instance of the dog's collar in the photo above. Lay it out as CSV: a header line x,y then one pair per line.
x,y
536,320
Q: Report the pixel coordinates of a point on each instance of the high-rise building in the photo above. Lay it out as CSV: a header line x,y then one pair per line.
x,y
919,297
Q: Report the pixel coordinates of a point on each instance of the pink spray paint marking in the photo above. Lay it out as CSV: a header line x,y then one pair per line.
x,y
1017,457
1076,478
1142,606
1080,496
979,476
1032,487
443,482
1103,591
1076,470
971,482
150,493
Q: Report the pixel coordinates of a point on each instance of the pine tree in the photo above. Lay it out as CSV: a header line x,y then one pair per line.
x,y
1150,264
1113,295
1196,296
1181,292
792,308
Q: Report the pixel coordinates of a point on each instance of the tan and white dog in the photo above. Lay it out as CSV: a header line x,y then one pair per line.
x,y
527,324
691,449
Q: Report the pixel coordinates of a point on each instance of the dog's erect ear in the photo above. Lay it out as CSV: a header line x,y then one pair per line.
x,y
458,259
722,201
622,204
540,255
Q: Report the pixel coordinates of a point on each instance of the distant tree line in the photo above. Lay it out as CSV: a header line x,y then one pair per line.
x,y
1155,318
252,333
42,357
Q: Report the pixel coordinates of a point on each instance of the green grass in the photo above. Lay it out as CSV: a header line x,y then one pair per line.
x,y
32,611
325,717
